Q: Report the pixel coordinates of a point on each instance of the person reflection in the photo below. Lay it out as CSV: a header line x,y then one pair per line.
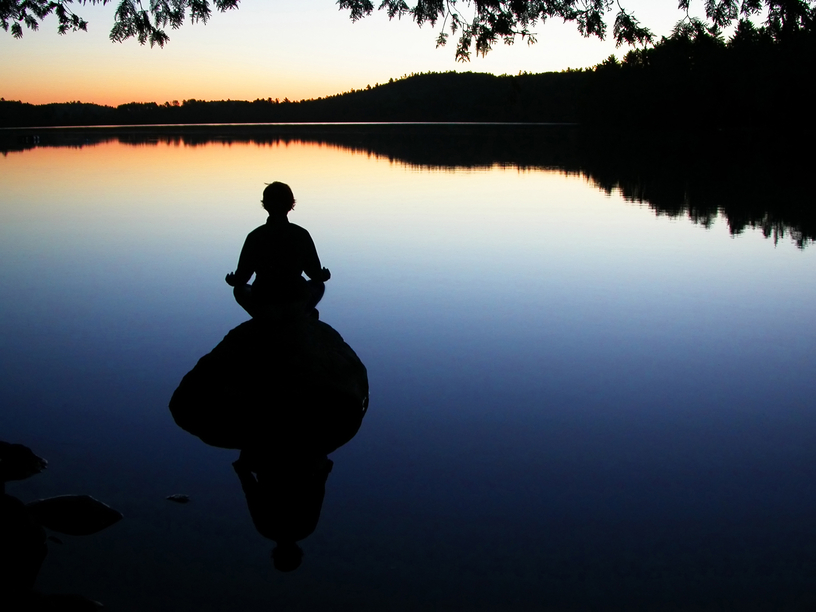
x,y
286,392
284,495
278,253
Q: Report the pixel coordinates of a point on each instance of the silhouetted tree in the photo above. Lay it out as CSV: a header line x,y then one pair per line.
x,y
132,18
693,79
486,21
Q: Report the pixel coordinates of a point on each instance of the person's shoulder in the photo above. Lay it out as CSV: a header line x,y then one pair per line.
x,y
297,228
298,231
258,231
255,237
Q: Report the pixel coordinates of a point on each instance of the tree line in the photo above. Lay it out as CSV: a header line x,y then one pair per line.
x,y
693,78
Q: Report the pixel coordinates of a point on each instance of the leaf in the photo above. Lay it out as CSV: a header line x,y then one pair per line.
x,y
73,514
627,29
69,601
751,7
179,498
394,8
358,8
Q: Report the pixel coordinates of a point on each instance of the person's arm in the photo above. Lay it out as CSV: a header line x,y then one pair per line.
x,y
245,267
311,262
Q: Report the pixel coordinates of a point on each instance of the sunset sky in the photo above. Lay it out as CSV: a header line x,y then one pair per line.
x,y
275,49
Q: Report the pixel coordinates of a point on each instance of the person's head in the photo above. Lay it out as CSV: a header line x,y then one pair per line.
x,y
278,198
286,556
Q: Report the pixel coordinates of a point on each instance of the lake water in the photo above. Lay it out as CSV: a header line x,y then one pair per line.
x,y
576,403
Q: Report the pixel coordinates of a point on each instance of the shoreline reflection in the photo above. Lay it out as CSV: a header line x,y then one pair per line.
x,y
753,179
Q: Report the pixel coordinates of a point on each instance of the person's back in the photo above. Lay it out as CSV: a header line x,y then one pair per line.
x,y
278,253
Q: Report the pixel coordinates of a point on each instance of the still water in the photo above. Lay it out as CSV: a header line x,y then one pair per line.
x,y
575,403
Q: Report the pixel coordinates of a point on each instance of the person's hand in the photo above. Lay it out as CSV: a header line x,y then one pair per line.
x,y
230,279
326,274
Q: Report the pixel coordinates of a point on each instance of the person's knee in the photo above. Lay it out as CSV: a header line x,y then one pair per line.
x,y
316,291
242,293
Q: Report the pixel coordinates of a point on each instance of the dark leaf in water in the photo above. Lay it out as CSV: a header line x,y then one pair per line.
x,y
68,602
18,462
55,539
73,514
179,498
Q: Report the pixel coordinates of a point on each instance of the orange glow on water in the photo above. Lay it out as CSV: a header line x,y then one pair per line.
x,y
210,194
178,174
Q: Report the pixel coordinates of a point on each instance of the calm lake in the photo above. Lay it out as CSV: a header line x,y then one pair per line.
x,y
588,390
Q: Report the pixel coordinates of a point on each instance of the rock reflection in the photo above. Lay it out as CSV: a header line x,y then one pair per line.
x,y
287,392
23,538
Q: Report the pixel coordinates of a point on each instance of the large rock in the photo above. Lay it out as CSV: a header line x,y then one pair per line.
x,y
292,385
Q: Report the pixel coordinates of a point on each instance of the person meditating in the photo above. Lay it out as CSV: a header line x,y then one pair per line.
x,y
278,253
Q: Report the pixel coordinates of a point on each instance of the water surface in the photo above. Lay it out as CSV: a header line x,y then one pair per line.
x,y
575,402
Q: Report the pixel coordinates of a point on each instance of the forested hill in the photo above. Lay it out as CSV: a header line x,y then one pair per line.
x,y
692,78
425,97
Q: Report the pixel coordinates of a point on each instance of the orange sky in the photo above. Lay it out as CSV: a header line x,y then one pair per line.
x,y
269,49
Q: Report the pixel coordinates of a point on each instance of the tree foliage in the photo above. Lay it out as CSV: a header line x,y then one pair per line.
x,y
480,24
145,22
477,24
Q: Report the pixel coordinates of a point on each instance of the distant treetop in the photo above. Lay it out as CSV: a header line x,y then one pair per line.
x,y
477,24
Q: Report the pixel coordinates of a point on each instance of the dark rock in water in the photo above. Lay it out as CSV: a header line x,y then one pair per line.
x,y
23,539
18,462
73,514
68,602
287,384
22,549
179,498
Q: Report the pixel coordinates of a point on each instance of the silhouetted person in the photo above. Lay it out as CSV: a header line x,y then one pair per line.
x,y
278,253
284,496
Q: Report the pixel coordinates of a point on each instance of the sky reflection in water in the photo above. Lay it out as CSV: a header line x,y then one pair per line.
x,y
573,402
